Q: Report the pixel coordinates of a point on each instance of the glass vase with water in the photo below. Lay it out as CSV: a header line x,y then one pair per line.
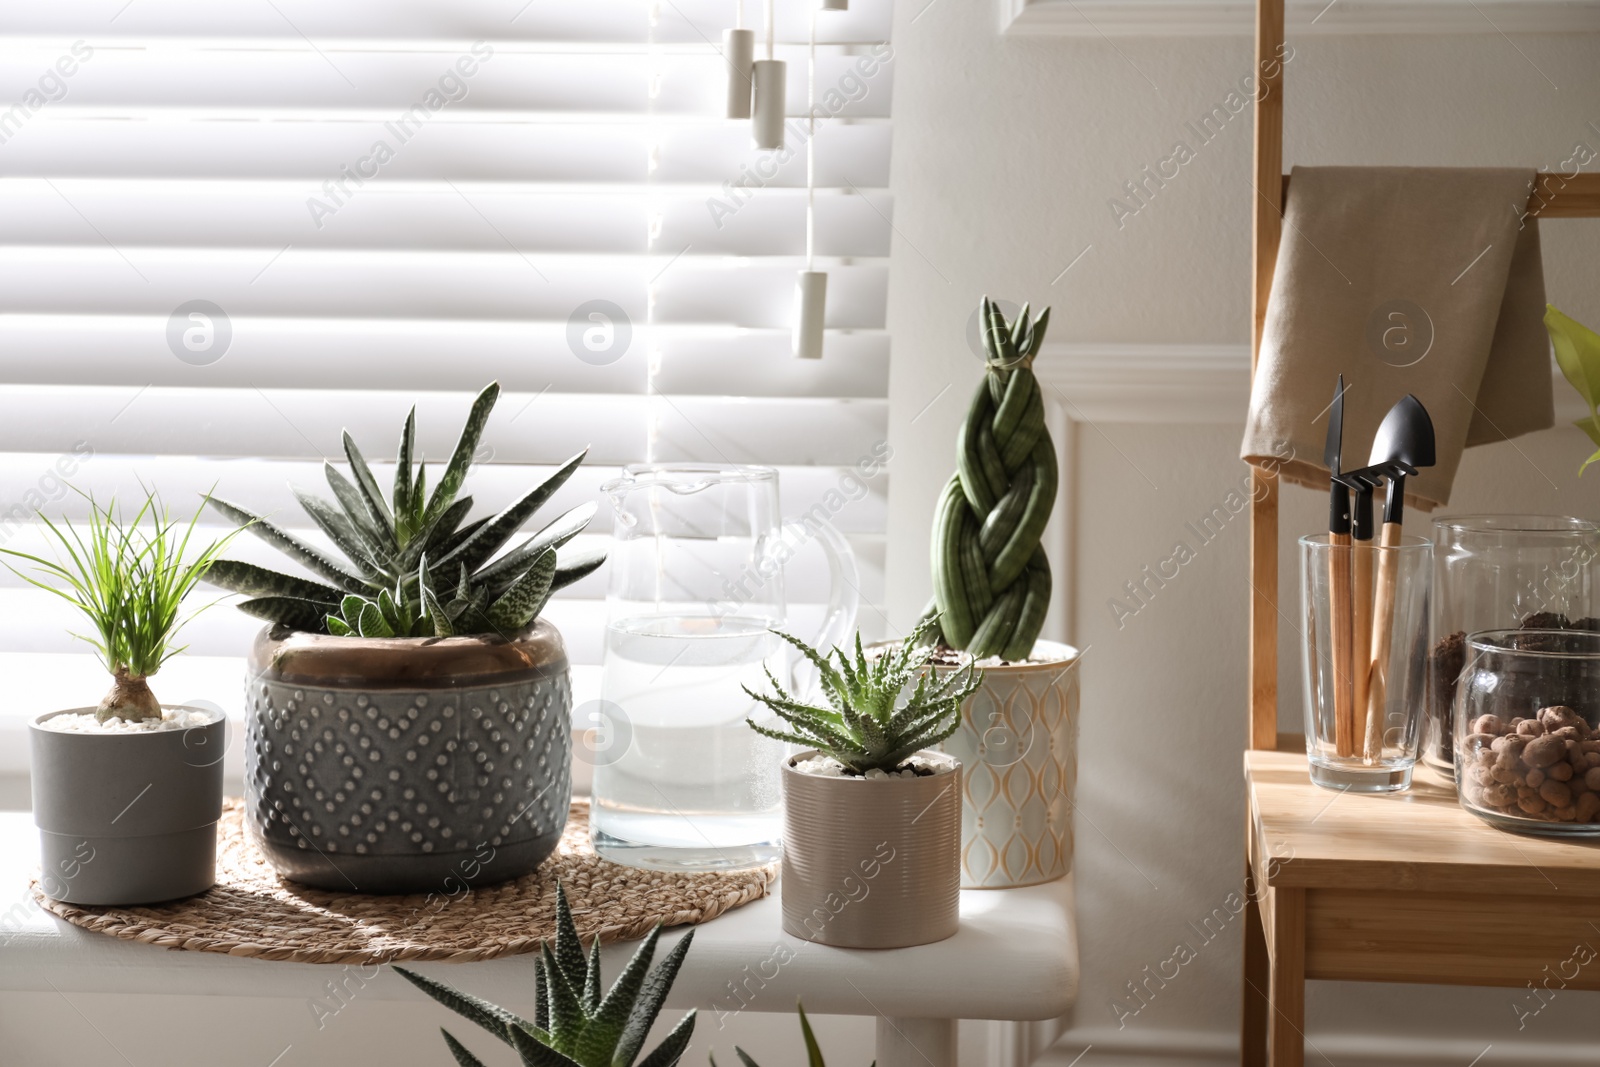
x,y
696,587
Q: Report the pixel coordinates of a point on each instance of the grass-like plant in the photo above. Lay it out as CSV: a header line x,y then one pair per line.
x,y
416,565
813,1050
875,718
129,577
573,1024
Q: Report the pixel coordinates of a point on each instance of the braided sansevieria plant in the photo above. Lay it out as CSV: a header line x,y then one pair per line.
x,y
991,581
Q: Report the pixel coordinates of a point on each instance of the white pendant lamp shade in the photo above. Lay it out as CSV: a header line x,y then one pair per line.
x,y
836,5
769,77
739,49
810,310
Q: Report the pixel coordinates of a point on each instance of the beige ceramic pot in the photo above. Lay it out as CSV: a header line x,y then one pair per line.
x,y
1018,746
872,863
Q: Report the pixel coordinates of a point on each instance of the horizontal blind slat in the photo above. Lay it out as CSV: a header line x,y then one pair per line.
x,y
490,285
458,148
134,80
424,355
437,217
306,424
687,21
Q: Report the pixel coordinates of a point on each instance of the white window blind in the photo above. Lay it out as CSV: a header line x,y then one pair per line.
x,y
384,203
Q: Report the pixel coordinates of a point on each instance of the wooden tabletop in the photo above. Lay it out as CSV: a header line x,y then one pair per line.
x,y
1421,839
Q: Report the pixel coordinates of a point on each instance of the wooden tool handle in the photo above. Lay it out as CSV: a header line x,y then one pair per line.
x,y
1361,553
1382,637
1344,739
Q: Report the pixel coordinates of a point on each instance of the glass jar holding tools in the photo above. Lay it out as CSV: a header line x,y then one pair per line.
x,y
1363,698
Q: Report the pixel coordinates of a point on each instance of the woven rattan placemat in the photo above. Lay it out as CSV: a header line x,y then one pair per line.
x,y
252,912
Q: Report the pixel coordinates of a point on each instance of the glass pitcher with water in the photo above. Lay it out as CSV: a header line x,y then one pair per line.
x,y
696,584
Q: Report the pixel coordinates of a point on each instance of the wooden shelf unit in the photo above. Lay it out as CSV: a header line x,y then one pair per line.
x,y
1395,888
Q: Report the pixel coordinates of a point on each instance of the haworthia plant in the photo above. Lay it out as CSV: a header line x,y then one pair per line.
x,y
991,581
573,1025
874,718
415,565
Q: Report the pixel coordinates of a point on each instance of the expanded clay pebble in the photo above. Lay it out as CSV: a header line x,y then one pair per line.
x,y
1545,768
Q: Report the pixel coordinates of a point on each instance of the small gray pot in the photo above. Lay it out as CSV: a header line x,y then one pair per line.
x,y
872,863
408,765
127,818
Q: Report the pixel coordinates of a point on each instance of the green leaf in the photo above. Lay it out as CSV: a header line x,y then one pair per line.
x,y
402,474
566,1014
491,1017
1577,353
672,1047
353,502
591,980
459,1051
569,571
535,1053
289,546
371,622
377,508
611,1021
251,580
296,614
648,1005
356,544
488,539
337,626
1591,426
455,472
813,1053
568,949
350,608
521,603
1586,463
553,535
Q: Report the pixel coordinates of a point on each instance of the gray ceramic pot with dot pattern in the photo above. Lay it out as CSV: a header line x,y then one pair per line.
x,y
408,765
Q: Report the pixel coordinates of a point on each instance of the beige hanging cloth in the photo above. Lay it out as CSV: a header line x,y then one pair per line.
x,y
1404,280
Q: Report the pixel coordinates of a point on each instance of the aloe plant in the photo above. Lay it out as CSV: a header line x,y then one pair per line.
x,y
573,1025
875,718
813,1050
129,578
1578,355
991,580
416,565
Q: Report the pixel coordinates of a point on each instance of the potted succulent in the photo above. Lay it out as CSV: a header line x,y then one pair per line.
x,y
871,813
572,1024
126,795
407,708
991,589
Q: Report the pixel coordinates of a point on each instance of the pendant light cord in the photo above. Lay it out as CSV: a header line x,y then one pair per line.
x,y
811,146
772,30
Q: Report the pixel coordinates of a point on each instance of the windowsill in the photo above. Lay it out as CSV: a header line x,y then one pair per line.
x,y
1016,953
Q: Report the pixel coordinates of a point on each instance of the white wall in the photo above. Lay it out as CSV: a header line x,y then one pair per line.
x,y
1006,153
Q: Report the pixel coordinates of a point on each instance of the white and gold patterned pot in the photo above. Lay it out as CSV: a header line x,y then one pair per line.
x,y
1018,745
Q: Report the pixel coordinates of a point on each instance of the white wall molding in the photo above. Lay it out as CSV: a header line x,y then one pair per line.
x,y
1233,18
1177,384
1165,383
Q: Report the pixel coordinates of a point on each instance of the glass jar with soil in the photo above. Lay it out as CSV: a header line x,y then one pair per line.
x,y
1494,572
